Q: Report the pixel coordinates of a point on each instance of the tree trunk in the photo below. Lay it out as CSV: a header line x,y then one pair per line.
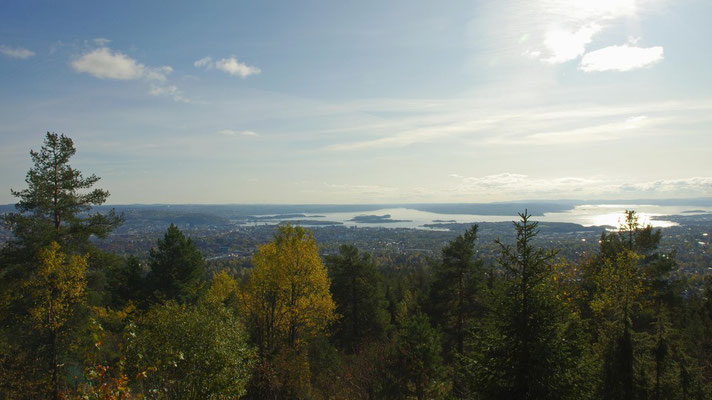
x,y
54,366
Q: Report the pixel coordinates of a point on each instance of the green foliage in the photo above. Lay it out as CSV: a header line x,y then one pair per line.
x,y
634,301
177,269
415,366
126,282
616,326
619,288
189,352
530,347
54,205
43,307
457,283
357,288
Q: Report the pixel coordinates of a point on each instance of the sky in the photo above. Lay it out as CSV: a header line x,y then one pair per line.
x,y
363,101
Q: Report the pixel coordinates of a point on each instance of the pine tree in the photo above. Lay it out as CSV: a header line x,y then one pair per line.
x,y
57,202
177,269
54,211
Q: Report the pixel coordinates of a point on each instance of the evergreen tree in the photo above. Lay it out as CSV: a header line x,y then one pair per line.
x,y
455,298
57,202
54,211
455,288
177,269
636,300
530,348
126,282
357,288
414,368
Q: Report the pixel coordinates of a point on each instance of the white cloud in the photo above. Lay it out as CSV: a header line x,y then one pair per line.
x,y
17,52
206,62
559,31
565,45
621,58
230,65
105,63
234,67
232,132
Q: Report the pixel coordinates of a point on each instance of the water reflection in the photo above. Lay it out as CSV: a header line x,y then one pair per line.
x,y
587,215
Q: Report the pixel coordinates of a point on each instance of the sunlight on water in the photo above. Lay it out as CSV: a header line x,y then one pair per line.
x,y
618,218
611,215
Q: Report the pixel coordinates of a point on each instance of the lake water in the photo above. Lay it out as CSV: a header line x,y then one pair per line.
x,y
586,215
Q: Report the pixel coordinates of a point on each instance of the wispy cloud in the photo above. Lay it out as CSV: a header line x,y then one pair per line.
x,y
16,52
205,62
101,41
369,190
586,134
229,65
169,90
700,185
621,58
520,186
491,125
232,132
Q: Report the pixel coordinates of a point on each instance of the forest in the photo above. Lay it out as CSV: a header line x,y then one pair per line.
x,y
81,322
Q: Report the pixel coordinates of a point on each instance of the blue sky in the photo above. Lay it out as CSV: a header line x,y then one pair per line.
x,y
363,102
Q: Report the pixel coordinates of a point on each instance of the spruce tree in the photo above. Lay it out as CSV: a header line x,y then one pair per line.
x,y
177,268
357,289
455,288
530,347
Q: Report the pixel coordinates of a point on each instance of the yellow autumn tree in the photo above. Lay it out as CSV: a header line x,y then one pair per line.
x,y
619,288
223,289
55,289
287,293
